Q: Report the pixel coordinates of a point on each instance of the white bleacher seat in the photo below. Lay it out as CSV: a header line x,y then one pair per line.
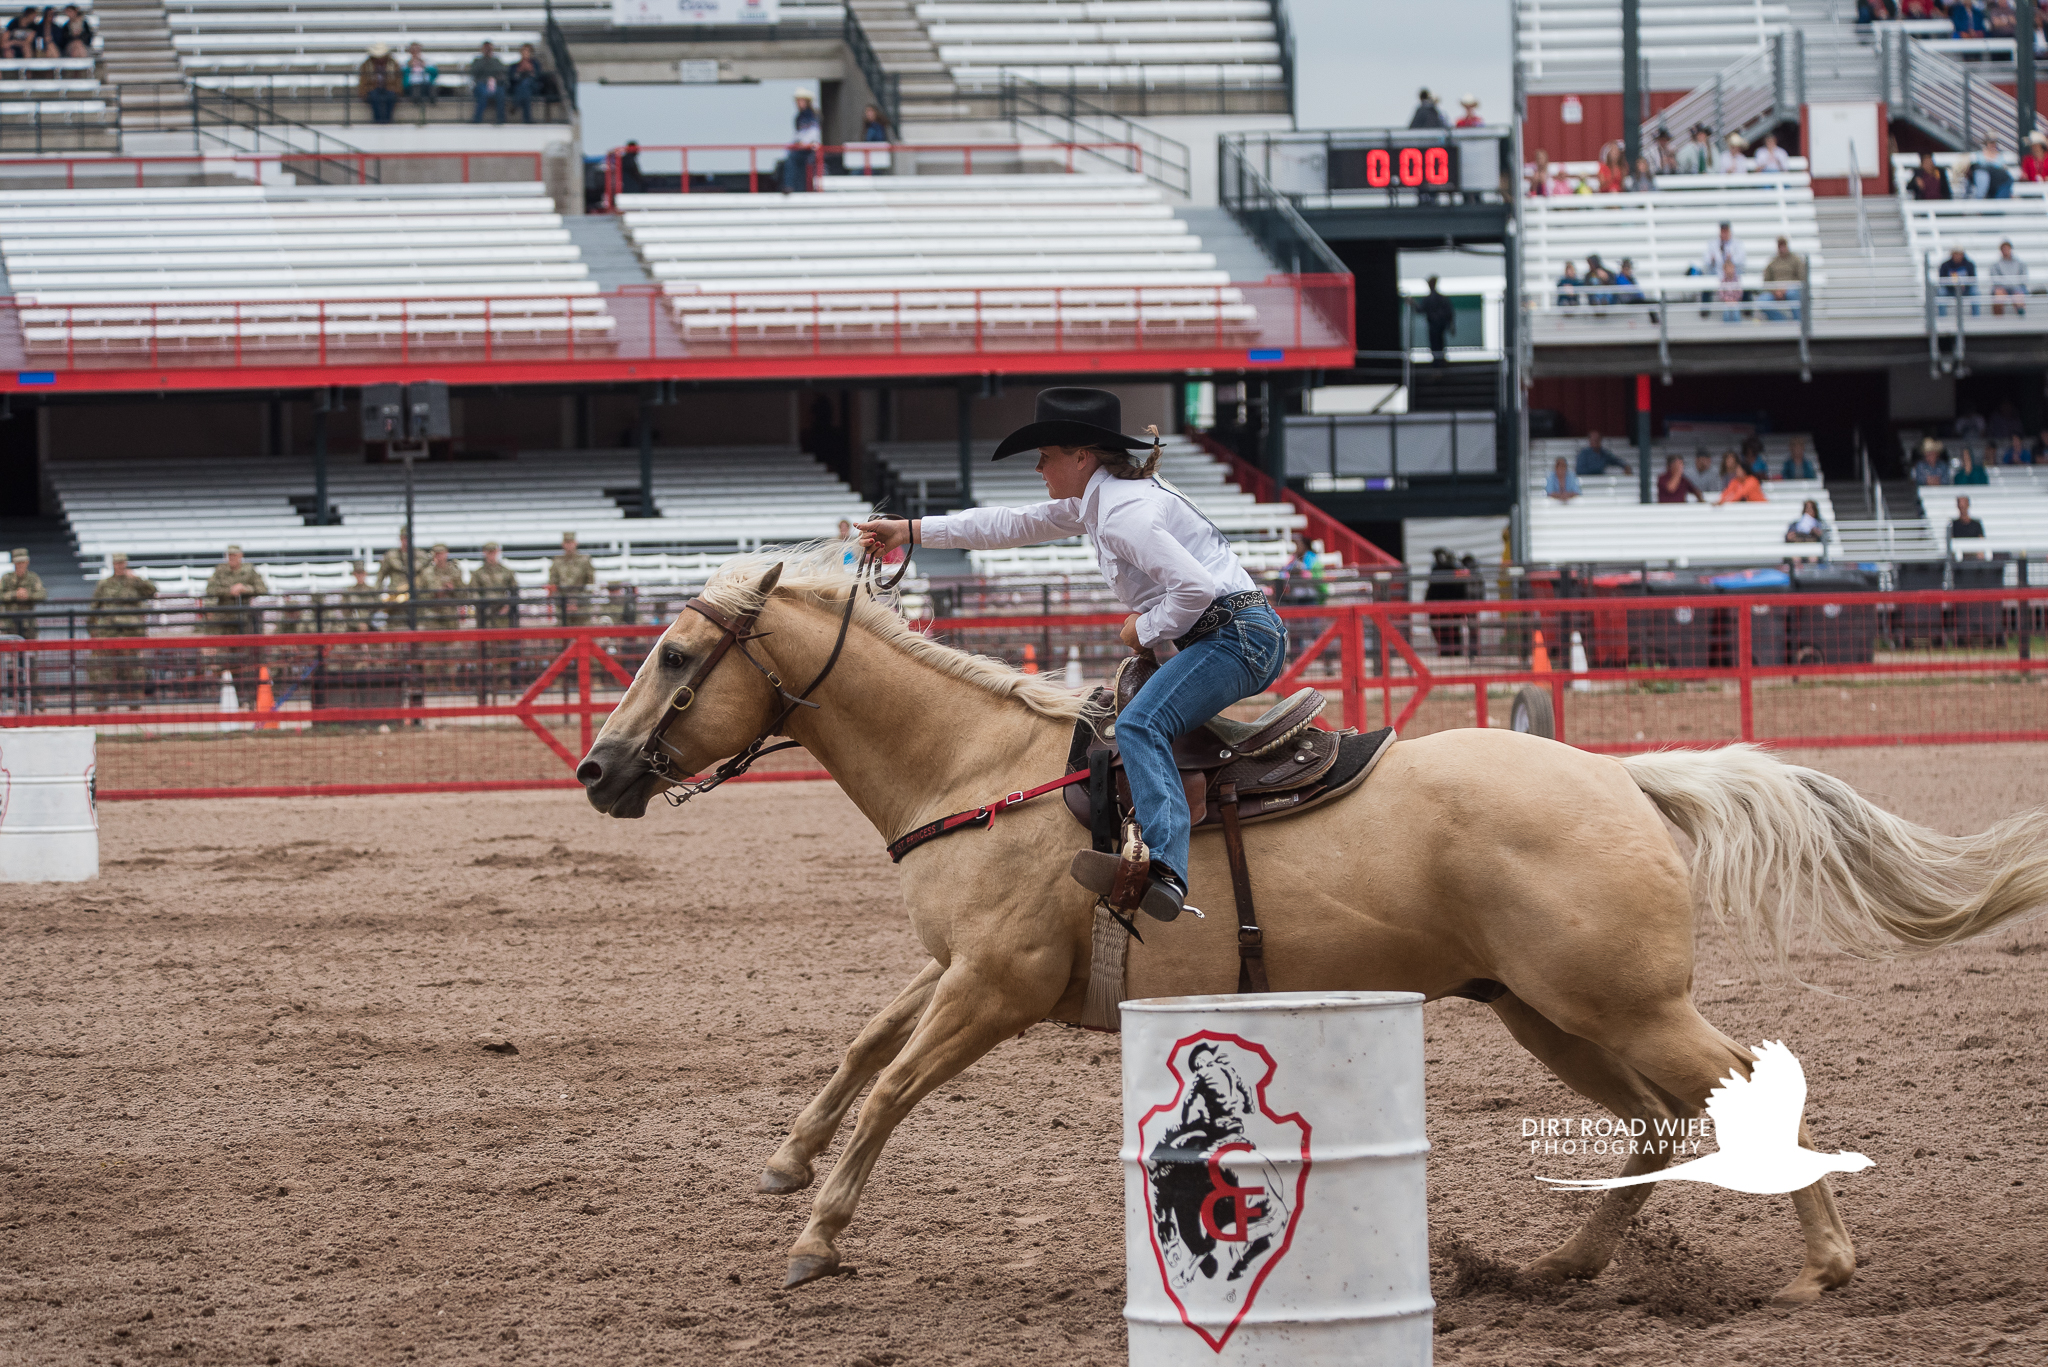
x,y
180,510
934,255
1937,226
2013,509
1260,533
273,263
1668,230
1575,45
1096,44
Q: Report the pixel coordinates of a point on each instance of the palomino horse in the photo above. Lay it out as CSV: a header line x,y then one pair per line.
x,y
1469,854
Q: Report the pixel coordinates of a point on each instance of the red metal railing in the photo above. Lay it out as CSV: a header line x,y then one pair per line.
x,y
1358,553
97,168
460,710
858,158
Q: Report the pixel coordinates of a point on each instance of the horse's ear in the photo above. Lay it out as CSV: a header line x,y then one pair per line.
x,y
769,580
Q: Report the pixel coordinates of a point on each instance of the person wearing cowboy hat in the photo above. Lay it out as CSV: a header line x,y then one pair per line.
x,y
803,146
1191,604
1470,118
1735,157
2034,165
379,80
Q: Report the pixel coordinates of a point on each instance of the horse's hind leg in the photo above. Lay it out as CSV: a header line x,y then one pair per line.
x,y
1599,1076
1673,1045
871,1051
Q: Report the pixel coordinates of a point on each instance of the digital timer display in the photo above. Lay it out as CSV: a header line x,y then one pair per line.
x,y
1409,166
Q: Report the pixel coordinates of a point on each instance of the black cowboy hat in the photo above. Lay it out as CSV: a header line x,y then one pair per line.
x,y
1070,416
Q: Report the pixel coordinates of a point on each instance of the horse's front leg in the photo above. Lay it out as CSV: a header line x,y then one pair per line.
x,y
972,1010
883,1038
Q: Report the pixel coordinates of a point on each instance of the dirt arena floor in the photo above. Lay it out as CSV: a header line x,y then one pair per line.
x,y
260,1103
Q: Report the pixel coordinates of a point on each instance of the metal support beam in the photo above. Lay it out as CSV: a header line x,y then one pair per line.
x,y
323,403
1631,81
2024,95
964,427
1643,494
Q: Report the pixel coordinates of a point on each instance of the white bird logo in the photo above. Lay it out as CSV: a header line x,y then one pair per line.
x,y
1756,1128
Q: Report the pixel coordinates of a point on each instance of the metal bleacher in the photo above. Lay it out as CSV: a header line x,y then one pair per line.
x,y
207,265
1103,44
1934,227
711,500
2013,508
1260,533
935,256
317,46
1575,45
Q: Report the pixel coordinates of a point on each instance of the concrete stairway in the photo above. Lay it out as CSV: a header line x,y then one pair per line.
x,y
1874,292
899,38
601,240
1840,63
141,65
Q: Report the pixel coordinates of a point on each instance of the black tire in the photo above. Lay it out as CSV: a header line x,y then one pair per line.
x,y
1531,713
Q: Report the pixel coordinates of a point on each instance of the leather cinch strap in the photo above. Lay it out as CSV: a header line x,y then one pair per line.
x,y
1251,941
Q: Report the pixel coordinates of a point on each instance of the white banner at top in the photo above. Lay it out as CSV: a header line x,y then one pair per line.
x,y
678,12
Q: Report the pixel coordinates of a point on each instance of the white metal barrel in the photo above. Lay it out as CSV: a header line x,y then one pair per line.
x,y
49,826
1274,1180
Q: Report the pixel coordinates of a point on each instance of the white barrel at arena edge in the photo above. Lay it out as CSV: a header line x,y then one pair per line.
x,y
1275,1164
49,826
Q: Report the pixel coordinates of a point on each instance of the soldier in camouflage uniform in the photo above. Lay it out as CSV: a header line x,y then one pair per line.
x,y
391,576
117,611
492,581
235,587
440,583
571,577
21,587
359,601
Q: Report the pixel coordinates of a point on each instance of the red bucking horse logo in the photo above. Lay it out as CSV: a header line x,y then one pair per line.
x,y
1222,1208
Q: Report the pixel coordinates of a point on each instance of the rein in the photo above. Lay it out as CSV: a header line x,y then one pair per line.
x,y
737,631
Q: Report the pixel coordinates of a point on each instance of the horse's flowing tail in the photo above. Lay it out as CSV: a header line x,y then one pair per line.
x,y
1778,848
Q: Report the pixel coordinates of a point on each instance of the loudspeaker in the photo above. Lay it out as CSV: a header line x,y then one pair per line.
x,y
426,405
384,413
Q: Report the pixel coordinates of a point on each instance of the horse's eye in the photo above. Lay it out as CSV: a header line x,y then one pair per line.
x,y
671,658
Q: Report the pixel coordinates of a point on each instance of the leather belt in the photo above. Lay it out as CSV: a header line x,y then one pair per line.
x,y
1219,615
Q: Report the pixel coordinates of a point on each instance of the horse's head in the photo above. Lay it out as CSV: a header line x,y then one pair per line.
x,y
724,710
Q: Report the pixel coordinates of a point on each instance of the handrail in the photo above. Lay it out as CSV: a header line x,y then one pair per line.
x,y
1959,102
225,106
614,171
1267,215
1166,161
1356,550
886,85
199,160
1739,94
1283,32
559,55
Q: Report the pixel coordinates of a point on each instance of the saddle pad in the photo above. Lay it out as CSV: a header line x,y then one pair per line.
x,y
1357,756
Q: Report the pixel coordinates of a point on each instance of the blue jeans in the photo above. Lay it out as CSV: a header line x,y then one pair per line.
x,y
1223,667
492,99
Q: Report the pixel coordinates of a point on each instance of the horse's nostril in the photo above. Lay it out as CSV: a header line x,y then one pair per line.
x,y
590,773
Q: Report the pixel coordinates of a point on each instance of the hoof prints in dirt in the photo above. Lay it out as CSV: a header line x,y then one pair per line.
x,y
1655,1269
615,868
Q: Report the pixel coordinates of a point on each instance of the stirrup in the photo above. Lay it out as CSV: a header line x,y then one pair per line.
x,y
1126,882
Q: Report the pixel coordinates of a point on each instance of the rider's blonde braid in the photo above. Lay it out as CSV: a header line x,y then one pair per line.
x,y
1125,465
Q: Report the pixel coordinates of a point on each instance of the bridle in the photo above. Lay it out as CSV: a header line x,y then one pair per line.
x,y
736,631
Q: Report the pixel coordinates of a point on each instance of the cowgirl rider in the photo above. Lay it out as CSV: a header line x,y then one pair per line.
x,y
1191,603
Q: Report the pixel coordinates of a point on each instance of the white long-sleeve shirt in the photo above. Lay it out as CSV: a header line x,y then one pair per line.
x,y
1163,560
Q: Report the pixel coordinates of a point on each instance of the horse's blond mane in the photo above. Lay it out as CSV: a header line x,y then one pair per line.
x,y
818,572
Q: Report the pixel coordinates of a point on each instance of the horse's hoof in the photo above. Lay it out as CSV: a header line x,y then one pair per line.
x,y
809,1267
1804,1289
775,1183
1553,1268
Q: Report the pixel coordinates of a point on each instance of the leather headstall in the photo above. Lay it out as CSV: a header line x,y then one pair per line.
x,y
737,631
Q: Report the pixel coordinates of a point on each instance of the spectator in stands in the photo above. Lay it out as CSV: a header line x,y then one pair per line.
x,y
1786,273
1753,458
70,34
234,587
1771,157
1726,247
1988,177
1730,293
2003,22
487,84
1968,471
1696,158
1663,157
1799,465
378,81
419,76
1807,526
1568,291
1673,486
1642,180
796,161
1470,118
1969,19
1929,471
24,35
1545,179
631,182
1441,318
2008,280
525,81
2034,165
1737,484
1734,158
1706,476
873,127
1625,276
1929,181
1959,281
1598,274
1874,11
1562,484
21,588
1613,169
2013,451
1963,526
1426,114
1596,459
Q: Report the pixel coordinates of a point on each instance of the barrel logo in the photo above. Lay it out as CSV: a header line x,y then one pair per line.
x,y
1222,1208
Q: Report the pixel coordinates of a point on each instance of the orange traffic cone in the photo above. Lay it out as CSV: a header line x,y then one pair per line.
x,y
1030,659
1539,659
266,701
